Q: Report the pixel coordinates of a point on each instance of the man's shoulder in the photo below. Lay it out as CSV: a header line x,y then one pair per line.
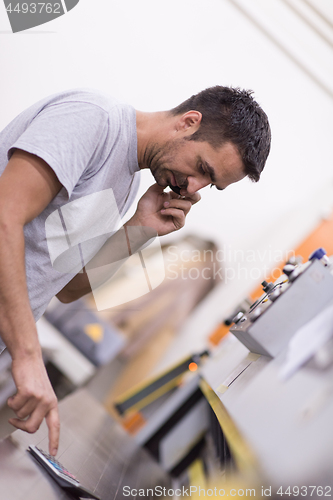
x,y
84,96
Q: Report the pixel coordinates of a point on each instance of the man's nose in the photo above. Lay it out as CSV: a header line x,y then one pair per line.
x,y
195,184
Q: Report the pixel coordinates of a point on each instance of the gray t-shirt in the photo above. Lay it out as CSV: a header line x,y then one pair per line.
x,y
89,140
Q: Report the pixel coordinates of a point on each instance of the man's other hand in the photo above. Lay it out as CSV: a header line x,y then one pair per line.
x,y
164,212
35,399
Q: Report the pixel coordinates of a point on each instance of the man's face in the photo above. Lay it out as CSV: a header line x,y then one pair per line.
x,y
192,165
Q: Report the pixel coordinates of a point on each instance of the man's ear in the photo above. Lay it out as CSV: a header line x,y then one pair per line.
x,y
189,121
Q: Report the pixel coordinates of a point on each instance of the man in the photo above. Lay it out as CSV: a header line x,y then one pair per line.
x,y
77,143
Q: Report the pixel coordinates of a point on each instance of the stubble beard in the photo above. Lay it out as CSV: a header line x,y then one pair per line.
x,y
160,160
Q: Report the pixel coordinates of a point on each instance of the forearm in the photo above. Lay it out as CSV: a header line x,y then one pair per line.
x,y
27,186
75,289
17,325
118,248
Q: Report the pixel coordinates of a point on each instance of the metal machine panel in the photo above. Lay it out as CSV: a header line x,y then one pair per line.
x,y
267,326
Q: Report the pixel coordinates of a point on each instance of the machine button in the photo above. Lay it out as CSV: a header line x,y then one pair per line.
x,y
320,254
255,314
274,295
267,287
288,269
292,271
238,317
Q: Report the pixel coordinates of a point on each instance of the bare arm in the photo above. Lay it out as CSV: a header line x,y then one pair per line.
x,y
158,213
125,242
26,187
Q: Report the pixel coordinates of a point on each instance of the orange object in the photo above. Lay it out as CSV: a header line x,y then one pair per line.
x,y
192,367
218,334
133,422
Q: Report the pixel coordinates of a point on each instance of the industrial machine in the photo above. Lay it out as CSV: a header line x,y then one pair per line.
x,y
301,293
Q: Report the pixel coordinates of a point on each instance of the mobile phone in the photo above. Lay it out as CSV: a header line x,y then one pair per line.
x,y
175,189
60,474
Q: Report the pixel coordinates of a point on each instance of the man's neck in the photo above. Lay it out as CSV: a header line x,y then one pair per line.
x,y
151,128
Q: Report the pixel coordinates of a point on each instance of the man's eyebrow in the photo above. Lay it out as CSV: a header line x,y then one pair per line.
x,y
212,175
211,171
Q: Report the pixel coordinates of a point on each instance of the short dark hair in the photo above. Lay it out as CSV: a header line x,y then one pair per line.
x,y
232,115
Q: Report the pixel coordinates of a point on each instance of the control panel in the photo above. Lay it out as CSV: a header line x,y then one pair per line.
x,y
295,298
